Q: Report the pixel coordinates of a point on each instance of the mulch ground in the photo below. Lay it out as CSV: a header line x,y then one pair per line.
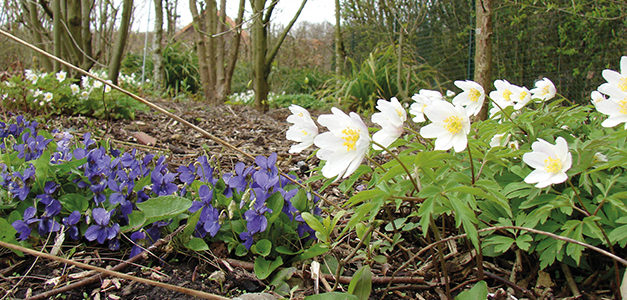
x,y
258,133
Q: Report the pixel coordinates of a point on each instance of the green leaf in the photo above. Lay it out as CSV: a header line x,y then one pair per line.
x,y
263,247
136,220
500,243
197,244
7,234
275,203
479,291
364,196
313,222
73,202
523,241
286,250
313,251
164,207
263,268
361,284
241,250
332,296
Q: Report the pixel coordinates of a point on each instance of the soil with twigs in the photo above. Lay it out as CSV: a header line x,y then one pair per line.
x,y
217,272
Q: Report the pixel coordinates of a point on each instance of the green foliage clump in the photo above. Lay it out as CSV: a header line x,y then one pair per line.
x,y
298,81
46,94
304,100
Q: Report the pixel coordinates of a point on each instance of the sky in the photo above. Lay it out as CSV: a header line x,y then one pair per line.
x,y
315,11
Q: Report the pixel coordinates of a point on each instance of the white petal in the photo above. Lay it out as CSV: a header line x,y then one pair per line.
x,y
433,131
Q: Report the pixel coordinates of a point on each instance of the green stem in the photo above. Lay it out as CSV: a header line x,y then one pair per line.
x,y
506,115
472,165
411,178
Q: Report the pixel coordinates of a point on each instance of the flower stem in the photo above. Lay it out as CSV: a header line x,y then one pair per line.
x,y
472,165
508,116
411,178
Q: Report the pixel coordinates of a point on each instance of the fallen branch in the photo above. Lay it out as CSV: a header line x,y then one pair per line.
x,y
175,288
342,279
118,267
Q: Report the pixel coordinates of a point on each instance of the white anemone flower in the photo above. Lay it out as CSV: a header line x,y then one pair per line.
x,y
107,87
37,93
599,157
75,88
85,82
61,75
544,90
450,93
85,94
616,85
549,161
521,96
616,109
344,145
422,100
48,96
450,126
597,97
499,140
97,84
303,130
390,117
471,98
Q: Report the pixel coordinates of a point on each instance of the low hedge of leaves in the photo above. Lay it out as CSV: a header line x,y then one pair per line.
x,y
47,94
52,185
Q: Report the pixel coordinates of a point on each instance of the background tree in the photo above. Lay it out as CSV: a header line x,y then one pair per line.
x,y
216,61
157,46
262,54
120,42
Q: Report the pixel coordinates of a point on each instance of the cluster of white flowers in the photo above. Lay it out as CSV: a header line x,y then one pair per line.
x,y
248,97
615,106
346,143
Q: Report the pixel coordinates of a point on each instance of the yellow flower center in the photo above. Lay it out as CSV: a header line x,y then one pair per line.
x,y
523,95
304,132
474,95
300,114
350,138
453,124
623,106
507,94
545,90
622,84
399,113
552,165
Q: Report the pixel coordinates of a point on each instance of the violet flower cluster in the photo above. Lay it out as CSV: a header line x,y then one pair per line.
x,y
113,183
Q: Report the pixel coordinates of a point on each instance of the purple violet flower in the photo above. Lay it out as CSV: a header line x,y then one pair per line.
x,y
101,231
23,226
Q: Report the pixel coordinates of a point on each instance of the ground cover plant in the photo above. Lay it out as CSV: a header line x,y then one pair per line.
x,y
56,93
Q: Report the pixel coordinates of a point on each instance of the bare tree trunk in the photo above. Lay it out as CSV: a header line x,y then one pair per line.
x,y
37,31
118,50
220,51
483,49
157,57
234,55
201,42
211,17
57,30
262,58
86,7
171,6
339,42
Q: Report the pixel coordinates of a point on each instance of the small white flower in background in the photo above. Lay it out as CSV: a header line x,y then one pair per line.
x,y
616,85
521,96
450,93
41,103
48,96
498,140
31,76
85,94
513,145
544,90
549,161
616,109
303,130
85,82
600,157
390,117
97,84
107,87
471,98
422,100
344,145
61,75
75,89
450,126
37,93
503,94
597,97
